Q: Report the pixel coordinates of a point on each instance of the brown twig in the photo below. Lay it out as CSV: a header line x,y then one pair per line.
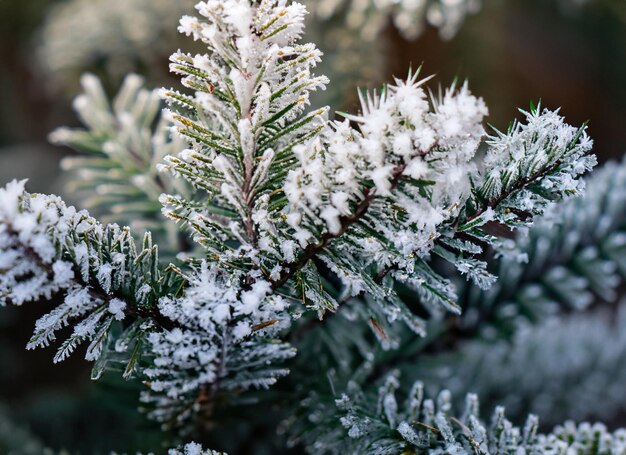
x,y
369,194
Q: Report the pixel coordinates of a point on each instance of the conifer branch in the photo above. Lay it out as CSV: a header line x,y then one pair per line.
x,y
345,222
290,213
373,421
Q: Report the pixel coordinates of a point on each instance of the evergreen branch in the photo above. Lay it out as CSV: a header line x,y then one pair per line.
x,y
123,140
495,202
345,222
571,257
568,258
576,374
369,420
252,116
191,448
546,154
219,344
367,20
286,206
48,248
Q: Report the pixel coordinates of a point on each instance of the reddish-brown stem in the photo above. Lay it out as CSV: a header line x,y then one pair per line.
x,y
346,221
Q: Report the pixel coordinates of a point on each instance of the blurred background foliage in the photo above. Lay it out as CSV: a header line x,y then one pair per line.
x,y
567,53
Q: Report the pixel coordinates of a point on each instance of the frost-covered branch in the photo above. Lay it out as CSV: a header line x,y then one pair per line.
x,y
115,176
378,420
370,17
525,171
224,340
379,198
290,212
246,112
180,341
531,165
571,256
191,448
564,368
48,248
245,116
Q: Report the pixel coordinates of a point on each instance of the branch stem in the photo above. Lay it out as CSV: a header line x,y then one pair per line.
x,y
311,250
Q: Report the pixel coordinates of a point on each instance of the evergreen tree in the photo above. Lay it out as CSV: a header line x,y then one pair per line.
x,y
326,257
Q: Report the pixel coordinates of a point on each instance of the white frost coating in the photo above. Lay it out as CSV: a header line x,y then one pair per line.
x,y
104,276
10,196
193,448
544,147
116,308
241,330
382,179
331,214
400,135
252,299
127,129
408,433
48,248
254,55
210,324
24,224
63,272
